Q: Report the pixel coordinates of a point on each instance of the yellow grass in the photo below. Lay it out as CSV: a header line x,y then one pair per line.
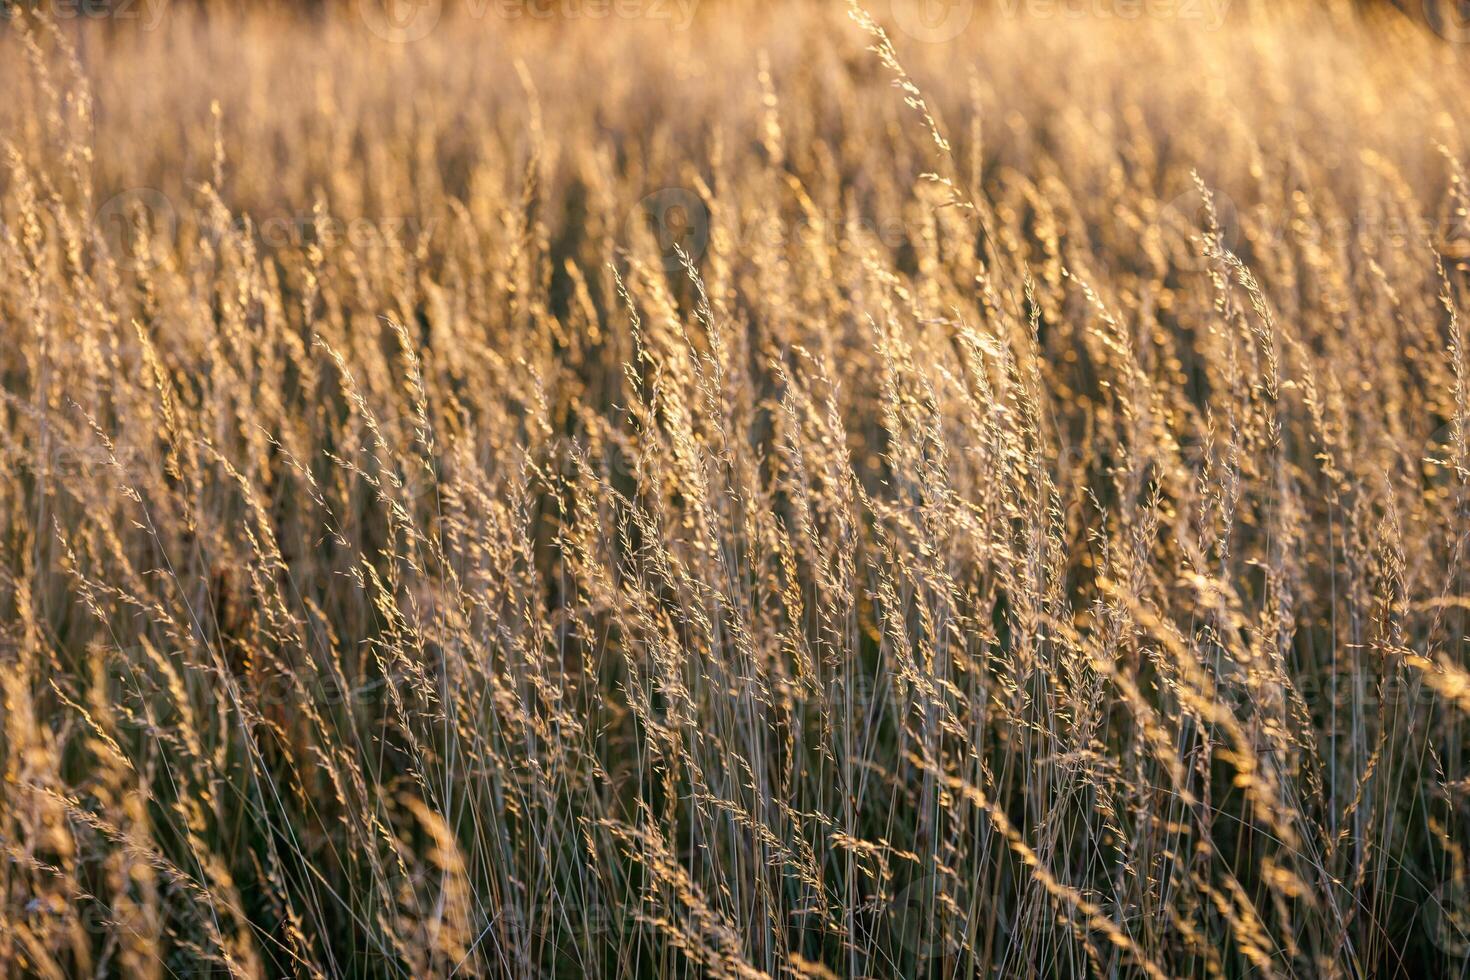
x,y
777,491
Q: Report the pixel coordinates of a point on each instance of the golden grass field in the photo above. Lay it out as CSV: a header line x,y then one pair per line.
x,y
642,489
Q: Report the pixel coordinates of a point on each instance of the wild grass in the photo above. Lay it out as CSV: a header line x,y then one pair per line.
x,y
777,498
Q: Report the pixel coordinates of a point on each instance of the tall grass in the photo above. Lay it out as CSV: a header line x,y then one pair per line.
x,y
776,498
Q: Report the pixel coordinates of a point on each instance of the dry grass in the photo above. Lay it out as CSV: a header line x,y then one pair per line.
x,y
618,500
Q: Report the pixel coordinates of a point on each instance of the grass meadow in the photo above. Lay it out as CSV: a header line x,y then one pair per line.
x,y
638,489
